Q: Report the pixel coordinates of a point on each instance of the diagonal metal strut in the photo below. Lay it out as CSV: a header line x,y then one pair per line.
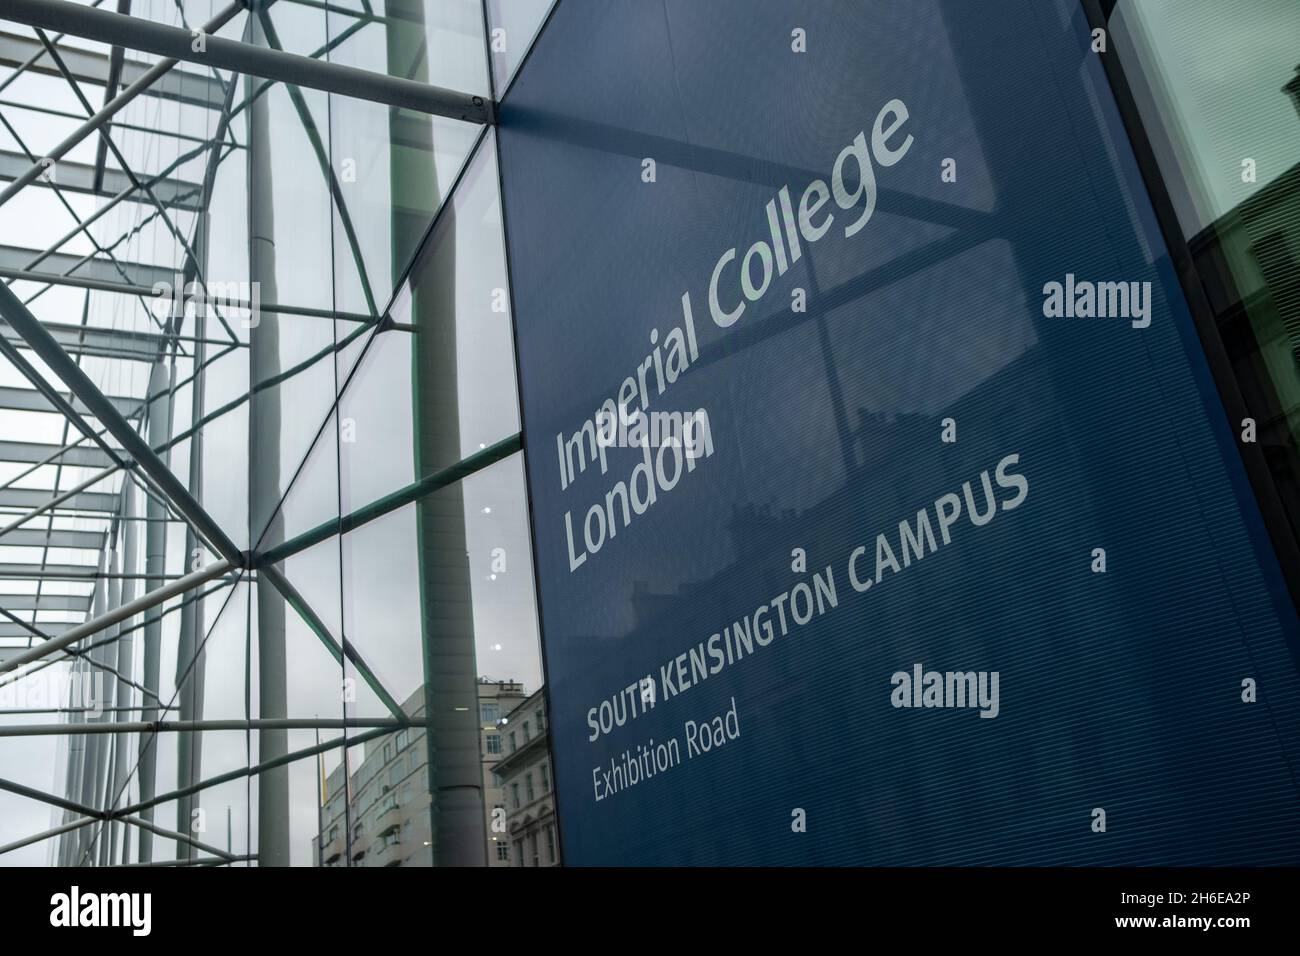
x,y
140,34
44,345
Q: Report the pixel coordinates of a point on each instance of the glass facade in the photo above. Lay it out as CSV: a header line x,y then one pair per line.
x,y
315,550
331,386
1226,150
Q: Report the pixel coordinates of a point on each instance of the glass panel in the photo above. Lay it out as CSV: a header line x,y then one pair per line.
x,y
501,574
452,345
1219,96
394,166
340,195
515,24
439,42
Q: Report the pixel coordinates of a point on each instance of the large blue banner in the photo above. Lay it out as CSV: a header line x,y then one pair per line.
x,y
885,511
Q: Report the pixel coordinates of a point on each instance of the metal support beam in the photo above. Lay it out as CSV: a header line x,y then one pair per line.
x,y
113,124
52,572
155,563
25,711
42,384
116,57
55,538
119,102
124,194
68,827
339,652
94,749
391,502
30,400
112,698
198,861
259,770
45,602
178,837
191,659
140,34
28,452
44,345
90,67
77,572
140,277
138,606
76,340
107,140
86,501
57,499
190,726
80,178
104,339
43,797
130,531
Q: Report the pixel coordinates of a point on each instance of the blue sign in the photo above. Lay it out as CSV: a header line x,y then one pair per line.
x,y
885,511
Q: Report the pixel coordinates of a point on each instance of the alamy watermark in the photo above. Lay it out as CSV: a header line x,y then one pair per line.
x,y
637,429
1083,299
74,908
78,691
949,689
180,298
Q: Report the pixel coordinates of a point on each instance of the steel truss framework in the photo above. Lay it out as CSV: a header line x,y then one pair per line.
x,y
129,496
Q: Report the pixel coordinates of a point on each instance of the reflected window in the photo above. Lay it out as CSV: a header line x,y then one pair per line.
x,y
1219,98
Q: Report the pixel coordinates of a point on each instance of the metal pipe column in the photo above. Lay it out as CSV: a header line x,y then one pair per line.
x,y
264,479
72,787
455,770
160,426
94,744
108,652
253,59
189,652
125,665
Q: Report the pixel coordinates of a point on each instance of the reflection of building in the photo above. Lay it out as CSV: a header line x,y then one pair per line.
x,y
385,802
525,775
1248,261
496,699
1292,90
